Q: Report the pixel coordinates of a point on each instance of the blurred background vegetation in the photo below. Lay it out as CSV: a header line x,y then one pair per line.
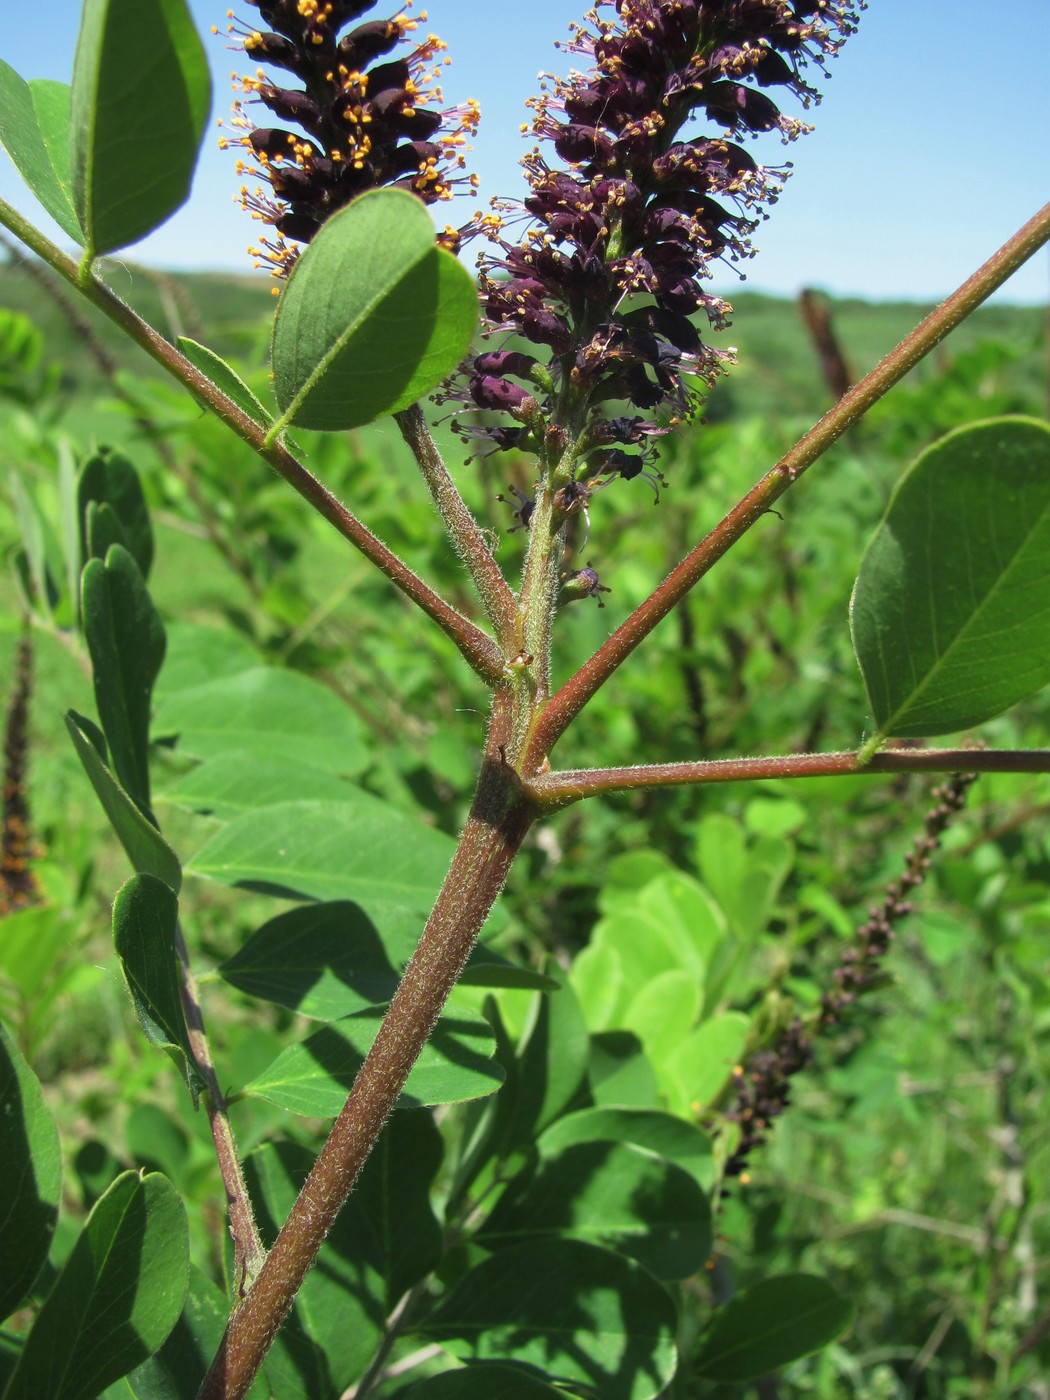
x,y
913,1167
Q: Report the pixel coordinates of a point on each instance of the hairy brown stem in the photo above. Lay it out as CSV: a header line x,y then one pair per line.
x,y
499,818
479,650
563,707
554,790
248,1248
463,530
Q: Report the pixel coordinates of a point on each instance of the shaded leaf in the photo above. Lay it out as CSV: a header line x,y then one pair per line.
x,y
769,1325
176,1371
618,1073
950,613
196,654
140,101
108,478
117,1298
615,1195
31,1170
34,129
339,1311
126,640
327,961
314,1077
145,921
143,844
553,1061
488,1381
579,1313
372,317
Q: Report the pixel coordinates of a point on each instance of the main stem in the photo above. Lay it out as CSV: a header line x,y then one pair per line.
x,y
499,819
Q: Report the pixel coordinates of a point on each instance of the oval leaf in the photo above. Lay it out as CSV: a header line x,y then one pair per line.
x,y
125,637
143,844
327,961
34,130
373,316
109,478
141,96
612,1194
951,610
777,1321
680,1142
117,1298
31,1169
489,1381
576,1312
145,923
314,1078
267,711
361,849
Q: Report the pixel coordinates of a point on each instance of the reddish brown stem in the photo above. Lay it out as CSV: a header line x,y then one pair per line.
x,y
248,1249
563,707
552,791
476,646
499,819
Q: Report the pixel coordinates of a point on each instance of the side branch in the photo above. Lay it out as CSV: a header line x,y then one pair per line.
x,y
552,791
479,650
248,1248
463,530
576,692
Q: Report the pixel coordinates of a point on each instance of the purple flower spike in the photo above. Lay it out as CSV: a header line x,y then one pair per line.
x,y
610,270
366,123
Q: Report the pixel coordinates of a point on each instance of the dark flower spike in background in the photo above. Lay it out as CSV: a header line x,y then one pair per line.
x,y
363,110
608,274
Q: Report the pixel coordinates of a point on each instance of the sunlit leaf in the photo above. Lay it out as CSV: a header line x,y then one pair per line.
x,y
140,102
373,316
34,129
951,610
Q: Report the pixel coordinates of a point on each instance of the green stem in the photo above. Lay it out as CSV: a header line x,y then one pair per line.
x,y
580,688
552,791
476,646
499,819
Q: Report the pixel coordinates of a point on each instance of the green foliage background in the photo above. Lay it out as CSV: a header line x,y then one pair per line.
x,y
911,1170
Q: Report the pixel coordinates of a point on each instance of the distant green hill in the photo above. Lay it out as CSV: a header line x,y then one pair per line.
x,y
777,367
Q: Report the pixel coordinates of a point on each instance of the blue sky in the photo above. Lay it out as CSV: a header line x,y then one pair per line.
x,y
932,144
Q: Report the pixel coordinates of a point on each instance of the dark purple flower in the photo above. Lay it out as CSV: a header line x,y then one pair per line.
x,y
610,271
362,123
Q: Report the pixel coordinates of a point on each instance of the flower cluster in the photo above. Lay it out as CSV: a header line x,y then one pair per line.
x,y
18,886
366,123
608,275
762,1087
